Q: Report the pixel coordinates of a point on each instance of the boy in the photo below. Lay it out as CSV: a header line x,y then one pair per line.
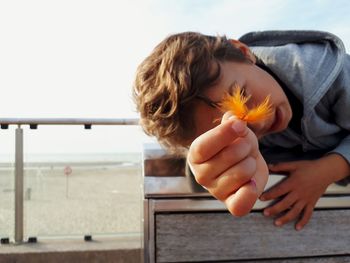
x,y
178,90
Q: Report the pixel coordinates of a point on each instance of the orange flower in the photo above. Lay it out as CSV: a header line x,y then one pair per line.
x,y
236,103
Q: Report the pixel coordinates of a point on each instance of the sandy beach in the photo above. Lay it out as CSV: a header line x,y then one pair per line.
x,y
83,199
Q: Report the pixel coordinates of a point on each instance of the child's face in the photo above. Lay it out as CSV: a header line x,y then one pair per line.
x,y
254,82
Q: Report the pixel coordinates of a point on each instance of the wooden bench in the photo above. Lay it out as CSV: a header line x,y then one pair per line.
x,y
183,223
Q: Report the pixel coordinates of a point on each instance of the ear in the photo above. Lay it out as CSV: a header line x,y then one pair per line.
x,y
245,50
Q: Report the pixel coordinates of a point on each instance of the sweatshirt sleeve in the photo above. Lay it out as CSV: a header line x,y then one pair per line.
x,y
343,149
340,95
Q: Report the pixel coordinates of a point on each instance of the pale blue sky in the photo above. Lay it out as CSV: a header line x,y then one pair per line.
x,y
77,58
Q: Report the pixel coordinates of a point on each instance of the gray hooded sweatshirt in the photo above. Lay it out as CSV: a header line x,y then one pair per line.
x,y
315,68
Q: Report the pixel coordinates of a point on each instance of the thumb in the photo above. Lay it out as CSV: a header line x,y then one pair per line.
x,y
238,125
228,115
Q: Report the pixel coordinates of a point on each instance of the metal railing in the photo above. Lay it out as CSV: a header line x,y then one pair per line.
x,y
19,154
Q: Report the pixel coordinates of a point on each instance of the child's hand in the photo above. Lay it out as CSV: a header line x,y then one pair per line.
x,y
227,162
306,183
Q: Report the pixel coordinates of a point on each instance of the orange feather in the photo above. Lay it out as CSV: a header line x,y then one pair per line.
x,y
236,103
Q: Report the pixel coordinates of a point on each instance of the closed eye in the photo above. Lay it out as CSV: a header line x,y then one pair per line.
x,y
209,102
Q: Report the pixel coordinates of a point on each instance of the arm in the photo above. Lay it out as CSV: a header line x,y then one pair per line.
x,y
338,100
306,183
308,180
226,160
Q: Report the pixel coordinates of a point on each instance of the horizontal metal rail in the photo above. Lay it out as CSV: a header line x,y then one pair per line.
x,y
68,121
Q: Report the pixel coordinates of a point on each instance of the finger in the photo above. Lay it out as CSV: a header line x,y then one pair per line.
x,y
233,178
241,202
290,215
229,157
262,174
213,141
276,191
228,115
282,205
282,167
308,211
225,160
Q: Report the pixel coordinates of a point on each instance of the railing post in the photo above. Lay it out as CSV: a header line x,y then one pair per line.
x,y
19,171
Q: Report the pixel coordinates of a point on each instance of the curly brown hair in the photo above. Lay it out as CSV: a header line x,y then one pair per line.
x,y
177,70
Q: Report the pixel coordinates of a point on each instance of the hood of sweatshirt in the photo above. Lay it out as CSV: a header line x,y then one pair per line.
x,y
308,62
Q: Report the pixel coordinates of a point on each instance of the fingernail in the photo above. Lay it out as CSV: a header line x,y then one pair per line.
x,y
231,116
238,127
262,198
266,213
298,227
253,182
278,223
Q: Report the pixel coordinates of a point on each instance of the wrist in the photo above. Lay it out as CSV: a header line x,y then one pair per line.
x,y
337,167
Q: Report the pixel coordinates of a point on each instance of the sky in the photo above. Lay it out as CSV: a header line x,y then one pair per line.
x,y
77,58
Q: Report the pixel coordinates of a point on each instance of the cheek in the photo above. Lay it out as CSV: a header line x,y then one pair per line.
x,y
206,120
207,123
